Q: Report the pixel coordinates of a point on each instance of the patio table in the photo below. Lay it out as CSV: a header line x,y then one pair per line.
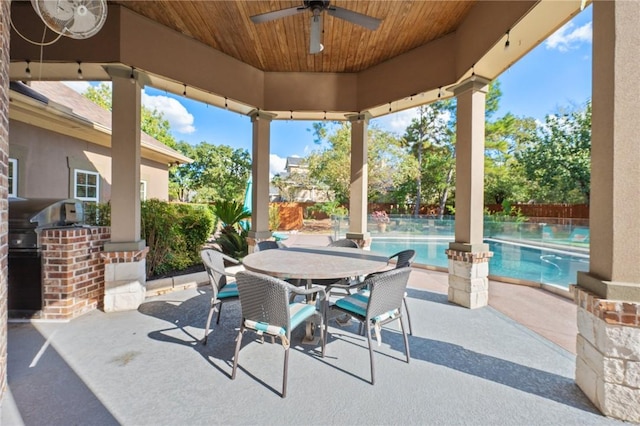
x,y
309,263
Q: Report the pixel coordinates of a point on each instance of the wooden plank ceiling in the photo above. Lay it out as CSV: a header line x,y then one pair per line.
x,y
283,44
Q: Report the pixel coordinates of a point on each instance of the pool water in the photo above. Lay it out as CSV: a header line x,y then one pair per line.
x,y
519,261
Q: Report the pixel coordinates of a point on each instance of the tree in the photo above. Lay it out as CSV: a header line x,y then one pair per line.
x,y
504,178
218,172
430,138
557,159
331,166
152,121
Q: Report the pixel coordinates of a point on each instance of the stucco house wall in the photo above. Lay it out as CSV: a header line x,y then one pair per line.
x,y
46,162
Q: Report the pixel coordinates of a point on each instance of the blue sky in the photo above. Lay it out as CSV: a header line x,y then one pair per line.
x,y
555,75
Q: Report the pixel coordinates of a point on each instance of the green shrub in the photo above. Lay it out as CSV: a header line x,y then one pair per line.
x,y
196,225
97,214
174,233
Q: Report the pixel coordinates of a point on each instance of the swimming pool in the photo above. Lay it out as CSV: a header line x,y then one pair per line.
x,y
511,260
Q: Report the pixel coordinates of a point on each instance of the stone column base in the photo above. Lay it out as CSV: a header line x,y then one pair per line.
x,y
255,237
125,279
363,240
468,278
608,354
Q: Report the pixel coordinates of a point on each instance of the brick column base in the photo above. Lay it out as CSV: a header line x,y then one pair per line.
x,y
608,354
468,278
124,279
72,272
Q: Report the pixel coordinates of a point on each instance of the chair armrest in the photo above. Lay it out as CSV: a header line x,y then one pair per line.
x,y
221,272
230,259
304,291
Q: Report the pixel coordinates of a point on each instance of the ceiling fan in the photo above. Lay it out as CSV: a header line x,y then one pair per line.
x,y
317,7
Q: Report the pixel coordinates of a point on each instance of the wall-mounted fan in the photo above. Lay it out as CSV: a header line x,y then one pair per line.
x,y
317,7
77,19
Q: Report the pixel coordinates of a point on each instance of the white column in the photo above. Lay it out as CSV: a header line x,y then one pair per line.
x,y
125,255
608,296
358,190
260,177
468,255
125,163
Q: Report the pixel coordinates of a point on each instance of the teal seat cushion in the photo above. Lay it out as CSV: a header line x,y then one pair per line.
x,y
229,290
298,312
357,303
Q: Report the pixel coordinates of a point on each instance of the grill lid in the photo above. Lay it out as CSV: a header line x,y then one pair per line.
x,y
44,212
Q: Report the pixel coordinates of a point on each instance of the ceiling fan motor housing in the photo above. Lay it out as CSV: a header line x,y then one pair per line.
x,y
316,5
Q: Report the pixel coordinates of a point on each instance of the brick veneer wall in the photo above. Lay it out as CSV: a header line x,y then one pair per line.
x,y
72,271
5,10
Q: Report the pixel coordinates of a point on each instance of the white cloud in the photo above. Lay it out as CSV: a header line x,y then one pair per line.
x,y
567,38
276,164
397,122
173,111
78,86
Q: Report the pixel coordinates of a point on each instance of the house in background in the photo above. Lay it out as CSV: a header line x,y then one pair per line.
x,y
60,147
294,184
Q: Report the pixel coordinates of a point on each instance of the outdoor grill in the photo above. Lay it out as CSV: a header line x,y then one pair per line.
x,y
27,217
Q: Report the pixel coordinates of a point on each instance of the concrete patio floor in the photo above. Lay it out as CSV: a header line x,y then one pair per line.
x,y
148,367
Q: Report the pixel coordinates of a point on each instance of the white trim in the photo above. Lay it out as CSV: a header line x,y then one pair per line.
x,y
95,199
143,190
12,177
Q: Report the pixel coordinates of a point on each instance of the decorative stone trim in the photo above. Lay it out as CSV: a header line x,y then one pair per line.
x,y
468,278
469,257
608,354
124,256
614,312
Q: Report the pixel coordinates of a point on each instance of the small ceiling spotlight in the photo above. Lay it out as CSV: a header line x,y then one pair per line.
x,y
389,106
325,115
80,76
184,92
132,77
507,43
226,103
439,92
27,70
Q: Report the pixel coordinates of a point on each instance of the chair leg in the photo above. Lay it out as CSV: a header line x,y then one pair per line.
x,y
324,325
219,311
370,353
284,374
206,326
235,357
406,339
406,308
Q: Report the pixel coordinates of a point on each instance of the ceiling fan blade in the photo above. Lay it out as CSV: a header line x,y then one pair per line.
x,y
354,17
315,45
270,16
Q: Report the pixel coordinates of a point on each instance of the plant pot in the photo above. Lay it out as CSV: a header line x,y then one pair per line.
x,y
382,227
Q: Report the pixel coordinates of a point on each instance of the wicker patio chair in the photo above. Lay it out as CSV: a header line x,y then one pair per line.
x,y
266,309
344,242
379,304
267,245
340,283
404,259
221,290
